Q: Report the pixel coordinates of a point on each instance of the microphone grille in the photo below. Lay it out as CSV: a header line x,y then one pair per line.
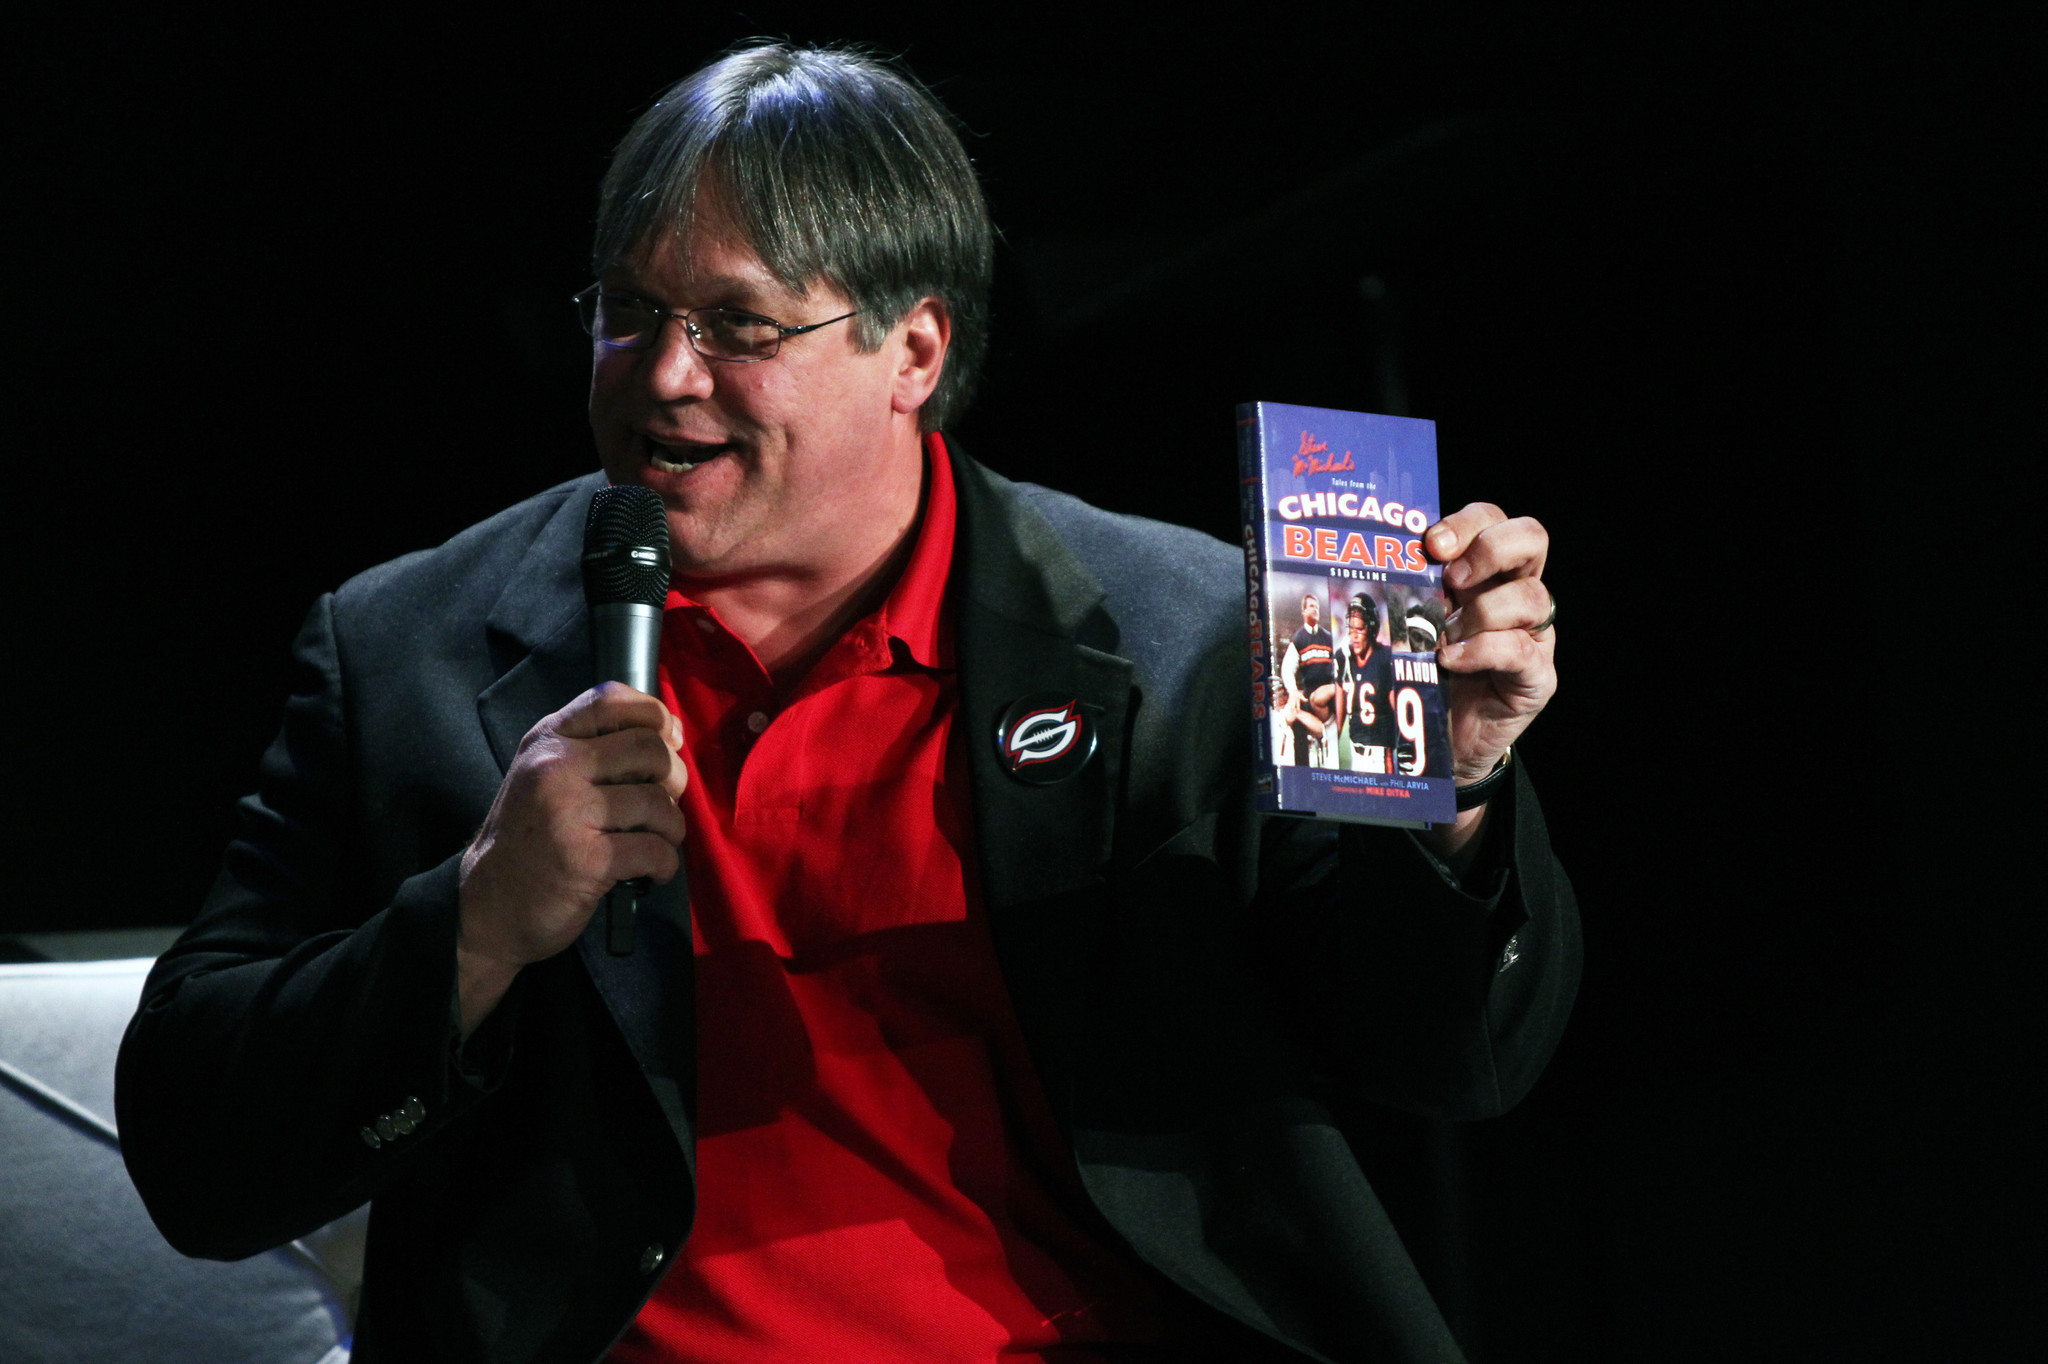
x,y
625,547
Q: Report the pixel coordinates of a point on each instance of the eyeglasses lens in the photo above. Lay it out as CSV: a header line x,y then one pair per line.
x,y
728,335
618,321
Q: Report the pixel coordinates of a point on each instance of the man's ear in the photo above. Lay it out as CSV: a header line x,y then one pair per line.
x,y
921,339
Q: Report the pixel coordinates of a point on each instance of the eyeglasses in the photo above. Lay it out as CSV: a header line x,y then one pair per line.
x,y
628,323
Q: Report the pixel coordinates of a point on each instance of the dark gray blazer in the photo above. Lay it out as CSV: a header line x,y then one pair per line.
x,y
1196,982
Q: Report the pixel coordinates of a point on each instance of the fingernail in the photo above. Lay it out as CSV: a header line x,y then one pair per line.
x,y
1457,573
1441,541
1454,627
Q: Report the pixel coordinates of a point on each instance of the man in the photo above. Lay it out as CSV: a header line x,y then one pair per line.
x,y
947,1056
1288,724
1365,686
1310,667
1424,626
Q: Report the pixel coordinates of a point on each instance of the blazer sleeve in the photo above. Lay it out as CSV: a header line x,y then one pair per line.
x,y
1415,989
290,1056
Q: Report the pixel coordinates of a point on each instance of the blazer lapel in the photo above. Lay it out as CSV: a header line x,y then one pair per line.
x,y
1031,619
541,622
540,626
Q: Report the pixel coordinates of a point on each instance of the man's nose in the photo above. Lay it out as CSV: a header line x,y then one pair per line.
x,y
672,366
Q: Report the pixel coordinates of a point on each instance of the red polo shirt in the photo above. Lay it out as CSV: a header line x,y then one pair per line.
x,y
875,1157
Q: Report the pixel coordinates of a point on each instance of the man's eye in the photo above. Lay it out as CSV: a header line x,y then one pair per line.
x,y
738,324
626,314
736,336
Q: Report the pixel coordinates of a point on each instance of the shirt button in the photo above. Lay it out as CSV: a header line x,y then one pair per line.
x,y
651,1258
371,1139
758,721
413,1108
386,1128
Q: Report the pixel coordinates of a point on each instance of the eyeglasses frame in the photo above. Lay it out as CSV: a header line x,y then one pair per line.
x,y
690,330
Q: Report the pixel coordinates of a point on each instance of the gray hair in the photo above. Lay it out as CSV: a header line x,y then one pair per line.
x,y
833,166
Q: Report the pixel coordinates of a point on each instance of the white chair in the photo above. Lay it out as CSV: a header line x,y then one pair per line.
x,y
84,1274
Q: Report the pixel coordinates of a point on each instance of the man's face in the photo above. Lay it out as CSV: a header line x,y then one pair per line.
x,y
777,467
1310,612
1361,642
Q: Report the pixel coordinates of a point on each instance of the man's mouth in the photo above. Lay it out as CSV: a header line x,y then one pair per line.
x,y
680,458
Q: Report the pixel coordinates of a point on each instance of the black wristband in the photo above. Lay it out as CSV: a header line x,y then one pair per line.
x,y
1479,792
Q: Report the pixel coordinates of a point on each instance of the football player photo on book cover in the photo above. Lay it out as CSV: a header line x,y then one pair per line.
x,y
1345,612
1387,690
1307,651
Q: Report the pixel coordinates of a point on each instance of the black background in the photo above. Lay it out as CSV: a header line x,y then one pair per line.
x,y
1724,298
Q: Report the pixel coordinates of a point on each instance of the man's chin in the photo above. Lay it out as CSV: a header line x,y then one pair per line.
x,y
703,550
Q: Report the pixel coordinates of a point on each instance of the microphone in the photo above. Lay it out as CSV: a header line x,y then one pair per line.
x,y
625,583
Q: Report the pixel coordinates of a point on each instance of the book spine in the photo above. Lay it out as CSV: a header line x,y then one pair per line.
x,y
1251,469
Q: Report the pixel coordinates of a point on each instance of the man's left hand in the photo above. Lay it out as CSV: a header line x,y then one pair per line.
x,y
1499,645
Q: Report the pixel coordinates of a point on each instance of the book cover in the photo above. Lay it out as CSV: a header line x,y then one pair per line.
x,y
1349,717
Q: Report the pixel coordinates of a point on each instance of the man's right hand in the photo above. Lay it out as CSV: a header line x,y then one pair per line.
x,y
590,801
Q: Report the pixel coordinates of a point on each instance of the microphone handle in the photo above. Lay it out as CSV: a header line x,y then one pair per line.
x,y
627,636
622,916
627,640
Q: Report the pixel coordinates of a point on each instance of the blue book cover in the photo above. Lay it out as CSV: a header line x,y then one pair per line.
x,y
1349,718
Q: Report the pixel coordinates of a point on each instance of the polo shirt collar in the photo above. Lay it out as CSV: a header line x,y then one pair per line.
x,y
914,614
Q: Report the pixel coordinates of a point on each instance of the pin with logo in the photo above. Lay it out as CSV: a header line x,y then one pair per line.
x,y
1044,738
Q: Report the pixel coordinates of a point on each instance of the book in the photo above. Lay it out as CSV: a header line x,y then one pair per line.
x,y
1349,715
